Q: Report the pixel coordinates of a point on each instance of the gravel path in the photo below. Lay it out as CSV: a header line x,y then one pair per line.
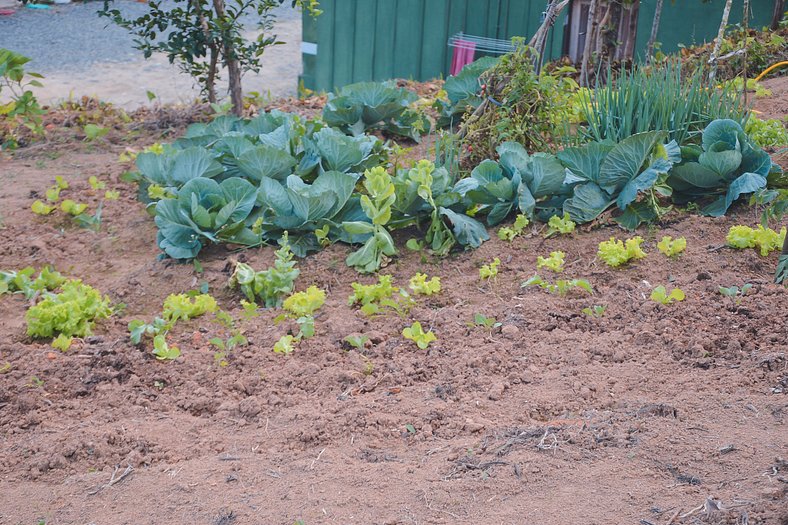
x,y
81,53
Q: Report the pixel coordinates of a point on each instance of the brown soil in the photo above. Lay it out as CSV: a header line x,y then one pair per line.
x,y
635,417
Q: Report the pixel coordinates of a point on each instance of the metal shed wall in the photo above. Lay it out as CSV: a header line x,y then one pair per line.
x,y
357,40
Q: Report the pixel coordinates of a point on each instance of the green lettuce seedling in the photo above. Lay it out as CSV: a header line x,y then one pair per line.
x,y
615,253
555,262
594,311
561,225
95,183
417,334
420,285
73,208
507,233
62,342
356,341
373,297
21,281
489,271
39,208
302,306
560,287
734,293
660,295
163,351
176,307
72,312
670,247
285,345
483,320
765,239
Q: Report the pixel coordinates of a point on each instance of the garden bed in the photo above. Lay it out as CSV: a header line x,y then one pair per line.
x,y
553,417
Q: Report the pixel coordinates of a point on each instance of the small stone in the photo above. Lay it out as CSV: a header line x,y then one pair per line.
x,y
496,391
473,426
249,407
703,276
510,331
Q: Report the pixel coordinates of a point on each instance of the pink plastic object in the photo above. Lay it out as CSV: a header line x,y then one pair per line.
x,y
464,52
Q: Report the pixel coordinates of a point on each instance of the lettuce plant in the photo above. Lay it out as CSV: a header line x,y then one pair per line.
x,y
562,225
417,334
554,263
507,233
22,282
72,311
765,240
302,306
615,252
661,295
489,271
163,351
560,287
671,247
176,307
726,166
421,286
372,298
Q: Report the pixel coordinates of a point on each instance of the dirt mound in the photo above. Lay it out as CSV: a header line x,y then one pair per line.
x,y
556,416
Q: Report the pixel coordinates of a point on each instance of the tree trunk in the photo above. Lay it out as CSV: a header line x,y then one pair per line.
x,y
777,14
590,28
629,42
726,13
210,81
654,29
233,65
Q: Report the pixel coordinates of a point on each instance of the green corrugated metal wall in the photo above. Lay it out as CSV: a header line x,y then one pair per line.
x,y
381,39
692,22
360,40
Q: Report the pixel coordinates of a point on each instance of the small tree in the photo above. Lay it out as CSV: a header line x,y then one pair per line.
x,y
204,36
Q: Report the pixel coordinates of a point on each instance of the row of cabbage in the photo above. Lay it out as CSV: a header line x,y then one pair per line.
x,y
248,181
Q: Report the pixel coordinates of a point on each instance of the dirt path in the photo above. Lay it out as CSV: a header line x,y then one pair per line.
x,y
558,418
82,54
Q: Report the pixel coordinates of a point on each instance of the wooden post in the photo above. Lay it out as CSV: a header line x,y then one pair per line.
x,y
726,13
590,28
745,25
654,29
777,14
540,37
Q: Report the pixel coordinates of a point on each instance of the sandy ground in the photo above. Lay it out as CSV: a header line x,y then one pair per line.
x,y
127,79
